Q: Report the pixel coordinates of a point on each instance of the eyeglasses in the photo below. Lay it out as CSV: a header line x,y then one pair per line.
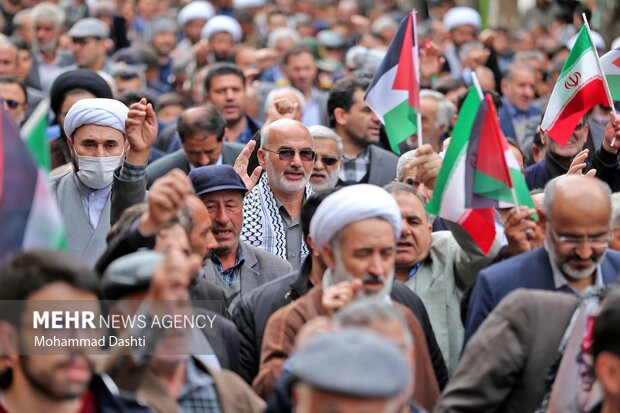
x,y
287,154
573,241
11,104
327,160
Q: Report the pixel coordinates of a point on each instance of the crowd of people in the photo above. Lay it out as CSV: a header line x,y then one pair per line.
x,y
221,152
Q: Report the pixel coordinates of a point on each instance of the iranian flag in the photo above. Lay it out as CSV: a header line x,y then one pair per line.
x,y
394,93
29,215
580,87
610,63
493,176
34,133
451,191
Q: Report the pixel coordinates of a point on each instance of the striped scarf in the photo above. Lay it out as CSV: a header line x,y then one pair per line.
x,y
262,223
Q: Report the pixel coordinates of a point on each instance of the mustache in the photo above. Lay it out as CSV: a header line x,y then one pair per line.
x,y
372,278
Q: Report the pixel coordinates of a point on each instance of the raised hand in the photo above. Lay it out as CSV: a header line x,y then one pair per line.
x,y
141,132
241,166
579,163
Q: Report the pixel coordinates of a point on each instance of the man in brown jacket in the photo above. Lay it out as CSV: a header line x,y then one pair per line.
x,y
356,230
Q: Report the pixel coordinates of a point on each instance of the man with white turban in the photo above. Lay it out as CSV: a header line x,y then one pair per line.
x,y
100,133
222,32
355,230
463,25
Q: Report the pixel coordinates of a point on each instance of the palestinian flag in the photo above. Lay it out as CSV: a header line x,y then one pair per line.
x,y
29,216
611,67
492,171
34,132
394,94
450,193
580,87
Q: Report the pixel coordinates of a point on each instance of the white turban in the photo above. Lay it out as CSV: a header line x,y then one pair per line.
x,y
99,111
459,16
220,24
195,10
351,204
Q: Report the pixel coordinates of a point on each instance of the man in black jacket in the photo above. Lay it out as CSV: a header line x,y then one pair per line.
x,y
254,311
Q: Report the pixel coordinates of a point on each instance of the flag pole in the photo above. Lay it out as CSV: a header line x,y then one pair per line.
x,y
481,95
600,68
419,129
416,57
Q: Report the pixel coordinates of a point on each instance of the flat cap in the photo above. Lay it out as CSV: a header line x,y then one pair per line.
x,y
160,24
459,16
352,362
130,274
213,178
331,39
89,27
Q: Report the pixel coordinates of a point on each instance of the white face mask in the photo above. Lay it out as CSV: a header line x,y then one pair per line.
x,y
97,172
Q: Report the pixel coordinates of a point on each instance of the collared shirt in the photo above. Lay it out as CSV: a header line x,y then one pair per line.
x,y
355,167
515,113
292,228
312,110
199,393
248,132
561,283
93,201
230,274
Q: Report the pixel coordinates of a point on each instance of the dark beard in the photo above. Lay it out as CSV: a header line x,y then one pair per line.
x,y
43,383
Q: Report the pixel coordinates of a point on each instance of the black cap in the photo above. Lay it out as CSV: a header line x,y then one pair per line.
x,y
213,178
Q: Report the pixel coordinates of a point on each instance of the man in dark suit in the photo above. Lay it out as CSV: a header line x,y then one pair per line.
x,y
233,265
518,88
352,120
575,257
201,130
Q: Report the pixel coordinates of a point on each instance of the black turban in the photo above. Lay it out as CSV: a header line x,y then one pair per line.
x,y
77,79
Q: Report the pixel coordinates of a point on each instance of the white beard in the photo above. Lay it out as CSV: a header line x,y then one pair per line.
x,y
566,268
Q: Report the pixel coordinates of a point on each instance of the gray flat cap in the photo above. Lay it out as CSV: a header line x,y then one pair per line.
x,y
130,274
89,27
352,362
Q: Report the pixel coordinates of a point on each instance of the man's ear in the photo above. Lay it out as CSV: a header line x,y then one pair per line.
x,y
340,115
329,257
542,219
262,158
313,249
8,339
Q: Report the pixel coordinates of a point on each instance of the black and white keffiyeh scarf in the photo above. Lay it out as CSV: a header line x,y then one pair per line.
x,y
262,222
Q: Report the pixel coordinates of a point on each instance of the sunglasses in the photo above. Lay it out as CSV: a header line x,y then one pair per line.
x,y
287,154
11,104
327,160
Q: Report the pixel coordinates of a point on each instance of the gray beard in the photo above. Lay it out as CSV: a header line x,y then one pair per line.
x,y
565,268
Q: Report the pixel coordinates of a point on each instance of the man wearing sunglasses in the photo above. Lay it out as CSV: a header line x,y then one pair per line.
x,y
575,257
271,210
328,162
13,93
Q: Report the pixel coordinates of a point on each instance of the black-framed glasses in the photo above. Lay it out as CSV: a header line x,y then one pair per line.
x,y
327,160
287,154
11,104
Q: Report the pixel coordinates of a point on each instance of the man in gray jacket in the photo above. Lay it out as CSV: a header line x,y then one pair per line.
x,y
99,132
234,266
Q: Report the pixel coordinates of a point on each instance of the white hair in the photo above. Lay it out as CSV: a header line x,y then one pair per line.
x,y
404,159
49,12
323,132
445,108
282,33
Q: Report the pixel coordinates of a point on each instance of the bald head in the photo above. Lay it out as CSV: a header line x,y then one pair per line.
x,y
284,126
577,195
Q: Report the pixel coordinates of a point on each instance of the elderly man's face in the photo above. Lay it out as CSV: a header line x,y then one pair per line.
x,y
8,59
46,35
201,238
98,141
577,233
287,174
415,240
326,165
226,212
365,250
520,90
575,143
308,399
